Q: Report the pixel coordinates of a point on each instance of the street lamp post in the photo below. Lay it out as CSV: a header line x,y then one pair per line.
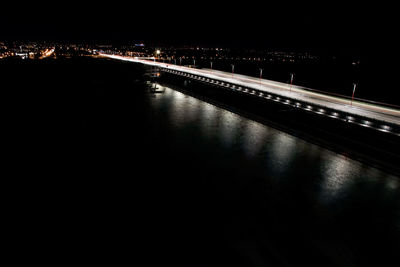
x,y
354,90
291,81
261,70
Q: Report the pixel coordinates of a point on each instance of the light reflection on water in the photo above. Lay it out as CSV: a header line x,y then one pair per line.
x,y
279,152
209,120
282,150
230,126
255,136
336,170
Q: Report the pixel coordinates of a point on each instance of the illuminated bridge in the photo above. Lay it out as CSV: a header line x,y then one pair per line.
x,y
378,116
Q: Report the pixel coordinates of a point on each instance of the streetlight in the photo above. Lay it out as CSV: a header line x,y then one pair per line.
x,y
352,97
158,52
291,81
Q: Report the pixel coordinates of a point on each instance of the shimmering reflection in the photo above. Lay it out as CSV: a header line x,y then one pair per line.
x,y
181,109
255,136
393,183
281,152
177,111
341,173
337,171
209,119
229,128
193,107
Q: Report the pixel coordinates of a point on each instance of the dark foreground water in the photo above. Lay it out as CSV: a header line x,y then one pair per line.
x,y
122,175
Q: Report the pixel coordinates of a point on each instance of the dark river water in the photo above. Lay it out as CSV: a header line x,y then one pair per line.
x,y
169,179
315,204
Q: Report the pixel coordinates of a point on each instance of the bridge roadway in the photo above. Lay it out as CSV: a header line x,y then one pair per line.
x,y
385,118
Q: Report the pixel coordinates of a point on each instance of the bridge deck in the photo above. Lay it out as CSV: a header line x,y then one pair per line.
x,y
364,109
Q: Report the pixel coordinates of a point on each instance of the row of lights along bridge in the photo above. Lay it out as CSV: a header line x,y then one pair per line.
x,y
158,52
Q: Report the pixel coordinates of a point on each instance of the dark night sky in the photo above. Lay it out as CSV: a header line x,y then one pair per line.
x,y
327,25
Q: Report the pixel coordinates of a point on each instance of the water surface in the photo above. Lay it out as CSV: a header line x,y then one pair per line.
x,y
276,198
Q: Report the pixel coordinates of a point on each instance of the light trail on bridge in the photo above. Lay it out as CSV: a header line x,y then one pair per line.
x,y
375,111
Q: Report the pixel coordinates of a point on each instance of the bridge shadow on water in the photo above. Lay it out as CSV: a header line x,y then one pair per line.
x,y
115,181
